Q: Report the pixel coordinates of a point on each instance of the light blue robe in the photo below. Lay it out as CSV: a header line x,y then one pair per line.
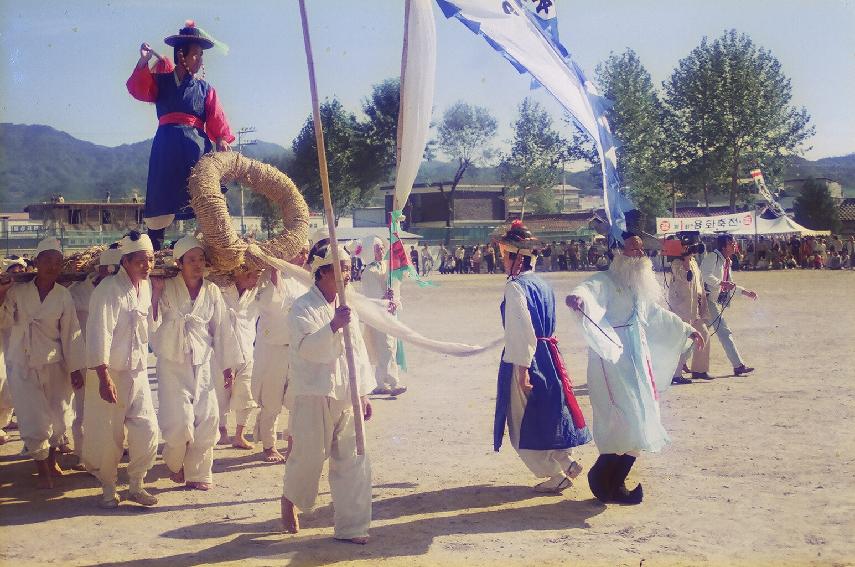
x,y
625,379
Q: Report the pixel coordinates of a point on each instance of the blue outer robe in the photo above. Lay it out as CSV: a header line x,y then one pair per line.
x,y
176,148
546,423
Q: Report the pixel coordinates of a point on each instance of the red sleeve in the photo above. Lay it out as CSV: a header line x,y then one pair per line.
x,y
216,123
141,83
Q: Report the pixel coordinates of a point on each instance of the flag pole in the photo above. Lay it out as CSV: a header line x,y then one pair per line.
x,y
399,131
328,209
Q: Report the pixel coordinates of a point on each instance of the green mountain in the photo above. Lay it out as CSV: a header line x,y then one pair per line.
x,y
37,161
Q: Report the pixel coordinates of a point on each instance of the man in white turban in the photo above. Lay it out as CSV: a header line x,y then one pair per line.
x,y
192,335
117,333
45,357
382,348
322,422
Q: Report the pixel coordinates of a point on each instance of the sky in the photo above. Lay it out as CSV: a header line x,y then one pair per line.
x,y
65,62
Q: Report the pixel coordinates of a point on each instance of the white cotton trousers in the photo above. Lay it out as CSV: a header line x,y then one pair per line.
x,y
77,402
238,398
42,398
269,382
549,463
188,418
322,429
133,411
382,350
6,405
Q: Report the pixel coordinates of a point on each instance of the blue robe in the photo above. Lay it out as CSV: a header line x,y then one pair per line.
x,y
547,423
176,148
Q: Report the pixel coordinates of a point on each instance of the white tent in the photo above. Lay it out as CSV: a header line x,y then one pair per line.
x,y
779,225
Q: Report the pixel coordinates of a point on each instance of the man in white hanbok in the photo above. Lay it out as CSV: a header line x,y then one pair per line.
x,y
241,299
117,332
10,266
634,345
81,292
322,422
270,368
721,289
44,357
191,327
382,348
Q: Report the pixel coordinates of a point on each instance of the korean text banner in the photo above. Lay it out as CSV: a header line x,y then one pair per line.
x,y
739,222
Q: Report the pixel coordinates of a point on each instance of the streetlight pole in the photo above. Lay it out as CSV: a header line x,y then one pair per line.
x,y
240,144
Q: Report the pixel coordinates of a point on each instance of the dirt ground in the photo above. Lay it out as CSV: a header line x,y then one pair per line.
x,y
761,470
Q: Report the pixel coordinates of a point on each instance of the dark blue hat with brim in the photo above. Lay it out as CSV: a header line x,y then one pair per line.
x,y
189,34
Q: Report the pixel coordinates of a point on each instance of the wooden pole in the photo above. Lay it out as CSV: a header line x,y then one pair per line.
x,y
399,134
328,209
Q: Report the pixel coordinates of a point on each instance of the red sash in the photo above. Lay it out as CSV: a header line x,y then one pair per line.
x,y
181,118
566,385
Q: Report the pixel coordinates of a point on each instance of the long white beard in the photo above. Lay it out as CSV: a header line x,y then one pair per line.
x,y
636,275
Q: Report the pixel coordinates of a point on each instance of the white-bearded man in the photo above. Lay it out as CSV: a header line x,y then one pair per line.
x,y
633,347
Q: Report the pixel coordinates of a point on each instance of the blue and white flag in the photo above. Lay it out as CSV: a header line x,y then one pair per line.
x,y
530,43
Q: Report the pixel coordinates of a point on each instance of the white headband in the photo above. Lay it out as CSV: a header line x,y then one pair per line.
x,y
141,244
185,245
110,257
319,262
8,263
49,243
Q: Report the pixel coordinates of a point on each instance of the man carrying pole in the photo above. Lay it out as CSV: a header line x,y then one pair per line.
x,y
312,322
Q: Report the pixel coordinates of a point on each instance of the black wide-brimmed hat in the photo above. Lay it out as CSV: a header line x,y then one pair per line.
x,y
519,240
189,34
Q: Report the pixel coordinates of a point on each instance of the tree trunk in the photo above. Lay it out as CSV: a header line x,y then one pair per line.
x,y
707,197
734,181
522,209
458,175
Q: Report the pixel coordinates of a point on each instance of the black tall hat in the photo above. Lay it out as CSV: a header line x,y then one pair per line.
x,y
519,239
189,34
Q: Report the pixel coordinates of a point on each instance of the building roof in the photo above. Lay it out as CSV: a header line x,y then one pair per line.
x,y
85,204
546,224
461,188
847,210
15,216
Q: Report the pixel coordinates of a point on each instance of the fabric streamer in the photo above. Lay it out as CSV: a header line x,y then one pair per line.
x,y
373,312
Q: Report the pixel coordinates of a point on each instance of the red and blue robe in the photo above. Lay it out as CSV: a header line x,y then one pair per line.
x,y
552,418
189,117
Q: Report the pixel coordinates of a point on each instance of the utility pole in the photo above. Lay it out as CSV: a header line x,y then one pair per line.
x,y
240,144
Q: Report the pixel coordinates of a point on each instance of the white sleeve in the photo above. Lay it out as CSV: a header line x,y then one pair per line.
x,y
315,344
520,339
102,321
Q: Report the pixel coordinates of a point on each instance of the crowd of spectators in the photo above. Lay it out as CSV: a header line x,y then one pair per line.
x,y
810,252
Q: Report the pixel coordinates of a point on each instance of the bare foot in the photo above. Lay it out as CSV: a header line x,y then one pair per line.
x,y
65,449
45,480
290,523
242,443
356,540
224,437
273,456
177,476
200,485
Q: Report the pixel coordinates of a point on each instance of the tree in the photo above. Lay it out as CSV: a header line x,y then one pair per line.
x,y
346,168
531,167
815,209
729,110
378,143
636,120
464,134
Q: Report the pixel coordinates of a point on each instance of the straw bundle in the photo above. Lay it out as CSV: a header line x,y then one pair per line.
x,y
226,250
84,261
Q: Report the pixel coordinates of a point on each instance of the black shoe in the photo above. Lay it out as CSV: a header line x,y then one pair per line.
x,y
742,369
600,475
620,493
701,376
677,380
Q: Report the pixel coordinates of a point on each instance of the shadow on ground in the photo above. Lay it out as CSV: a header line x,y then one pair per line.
x,y
403,539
